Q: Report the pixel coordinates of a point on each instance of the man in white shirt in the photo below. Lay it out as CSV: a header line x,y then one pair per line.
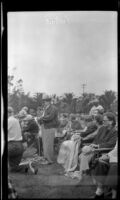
x,y
15,146
96,108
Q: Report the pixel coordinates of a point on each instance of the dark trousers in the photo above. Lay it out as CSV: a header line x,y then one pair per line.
x,y
38,145
106,174
15,153
112,177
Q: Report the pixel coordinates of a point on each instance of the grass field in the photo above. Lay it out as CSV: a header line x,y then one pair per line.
x,y
50,182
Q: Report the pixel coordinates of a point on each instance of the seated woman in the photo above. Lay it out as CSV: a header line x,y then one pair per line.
x,y
31,131
68,153
106,173
73,126
105,138
99,122
89,127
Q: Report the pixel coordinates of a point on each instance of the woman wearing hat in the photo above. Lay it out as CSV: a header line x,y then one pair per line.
x,y
30,131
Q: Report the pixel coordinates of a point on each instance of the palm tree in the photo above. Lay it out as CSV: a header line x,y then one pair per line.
x,y
38,98
107,99
68,97
10,84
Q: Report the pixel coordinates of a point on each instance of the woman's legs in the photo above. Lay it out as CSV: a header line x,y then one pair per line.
x,y
114,194
99,175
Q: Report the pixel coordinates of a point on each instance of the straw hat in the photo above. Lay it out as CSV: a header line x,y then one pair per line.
x,y
25,108
22,114
46,97
28,118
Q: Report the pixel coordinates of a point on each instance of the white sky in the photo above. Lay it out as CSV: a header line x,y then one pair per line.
x,y
56,52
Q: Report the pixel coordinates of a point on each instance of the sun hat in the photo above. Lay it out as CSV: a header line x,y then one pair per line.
x,y
22,114
25,108
46,97
28,117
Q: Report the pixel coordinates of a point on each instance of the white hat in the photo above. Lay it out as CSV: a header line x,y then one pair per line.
x,y
25,108
22,114
28,117
46,97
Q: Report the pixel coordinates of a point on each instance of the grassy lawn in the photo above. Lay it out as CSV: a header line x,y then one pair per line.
x,y
51,183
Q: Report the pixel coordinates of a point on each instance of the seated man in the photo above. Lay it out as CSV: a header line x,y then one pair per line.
x,y
105,138
105,173
15,146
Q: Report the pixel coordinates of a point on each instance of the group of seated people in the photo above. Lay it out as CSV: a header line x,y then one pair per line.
x,y
83,147
85,150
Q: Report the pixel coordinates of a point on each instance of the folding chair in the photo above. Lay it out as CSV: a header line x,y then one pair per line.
x,y
58,140
97,153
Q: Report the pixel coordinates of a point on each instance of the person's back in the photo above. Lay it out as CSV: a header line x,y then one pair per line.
x,y
14,130
33,127
15,146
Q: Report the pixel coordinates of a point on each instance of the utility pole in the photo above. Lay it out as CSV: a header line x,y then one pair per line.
x,y
83,87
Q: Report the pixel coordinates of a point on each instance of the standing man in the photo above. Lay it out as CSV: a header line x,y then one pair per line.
x,y
15,146
49,122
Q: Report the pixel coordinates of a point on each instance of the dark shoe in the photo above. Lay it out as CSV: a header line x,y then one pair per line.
x,y
26,170
50,163
99,196
36,171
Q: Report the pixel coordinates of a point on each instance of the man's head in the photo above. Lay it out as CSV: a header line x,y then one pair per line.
x,y
10,111
88,120
22,114
96,102
73,118
25,108
101,111
47,100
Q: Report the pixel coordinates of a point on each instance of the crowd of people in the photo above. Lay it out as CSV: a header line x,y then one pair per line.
x,y
82,144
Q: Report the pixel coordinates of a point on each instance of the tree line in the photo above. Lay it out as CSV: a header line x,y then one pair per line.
x,y
67,103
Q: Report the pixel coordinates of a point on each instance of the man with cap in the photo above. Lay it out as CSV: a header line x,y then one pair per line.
x,y
15,146
97,108
50,123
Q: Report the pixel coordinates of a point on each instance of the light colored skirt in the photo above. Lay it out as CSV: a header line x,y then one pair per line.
x,y
68,155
